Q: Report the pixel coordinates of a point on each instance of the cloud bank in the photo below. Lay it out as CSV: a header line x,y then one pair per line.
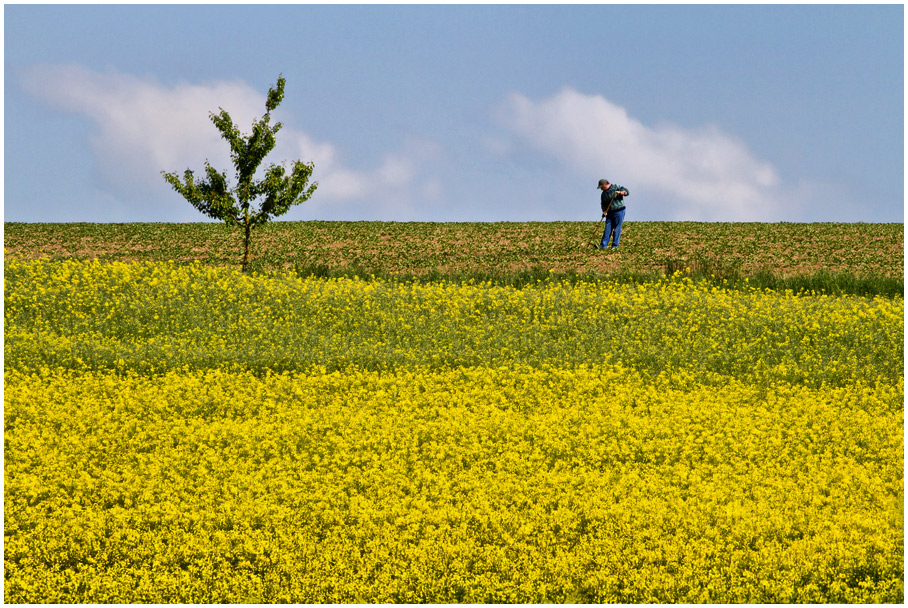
x,y
696,174
141,127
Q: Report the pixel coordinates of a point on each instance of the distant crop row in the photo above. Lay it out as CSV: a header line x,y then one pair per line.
x,y
153,317
419,248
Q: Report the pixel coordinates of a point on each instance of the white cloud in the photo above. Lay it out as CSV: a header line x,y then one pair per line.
x,y
699,174
142,127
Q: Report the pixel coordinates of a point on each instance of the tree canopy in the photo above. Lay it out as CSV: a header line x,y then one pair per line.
x,y
275,191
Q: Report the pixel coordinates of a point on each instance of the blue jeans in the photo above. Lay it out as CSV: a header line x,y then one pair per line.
x,y
613,223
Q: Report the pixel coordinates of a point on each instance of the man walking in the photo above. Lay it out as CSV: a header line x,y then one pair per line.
x,y
613,211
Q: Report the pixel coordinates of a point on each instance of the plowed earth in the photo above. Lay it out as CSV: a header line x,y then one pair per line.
x,y
417,248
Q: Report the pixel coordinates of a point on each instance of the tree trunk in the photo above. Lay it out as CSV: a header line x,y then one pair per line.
x,y
248,228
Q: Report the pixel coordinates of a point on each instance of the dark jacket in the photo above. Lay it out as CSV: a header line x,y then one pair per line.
x,y
611,201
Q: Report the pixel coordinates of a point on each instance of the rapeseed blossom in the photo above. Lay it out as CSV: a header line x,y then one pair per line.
x,y
190,434
157,317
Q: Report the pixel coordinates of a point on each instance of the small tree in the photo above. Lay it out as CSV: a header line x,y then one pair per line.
x,y
277,191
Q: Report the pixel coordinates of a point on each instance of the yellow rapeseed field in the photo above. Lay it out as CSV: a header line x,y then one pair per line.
x,y
192,434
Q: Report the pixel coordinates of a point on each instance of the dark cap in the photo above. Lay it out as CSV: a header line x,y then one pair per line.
x,y
603,182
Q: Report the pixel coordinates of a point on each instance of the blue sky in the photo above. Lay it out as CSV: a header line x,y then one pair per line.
x,y
464,112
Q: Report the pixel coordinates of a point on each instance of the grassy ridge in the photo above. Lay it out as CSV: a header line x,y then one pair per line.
x,y
864,259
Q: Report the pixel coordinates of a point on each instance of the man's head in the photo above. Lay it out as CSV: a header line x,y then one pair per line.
x,y
603,184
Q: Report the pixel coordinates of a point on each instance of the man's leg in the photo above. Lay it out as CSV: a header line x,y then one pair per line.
x,y
618,219
607,233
